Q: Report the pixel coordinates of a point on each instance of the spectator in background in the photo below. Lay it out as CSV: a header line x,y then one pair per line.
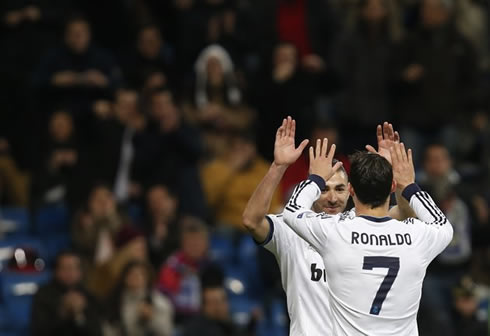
x,y
35,23
218,107
179,275
168,152
444,272
190,32
215,78
161,223
95,228
472,23
115,128
77,73
437,166
129,245
14,183
215,319
152,55
363,61
230,180
285,91
465,307
309,25
136,309
58,174
437,73
106,240
64,306
229,27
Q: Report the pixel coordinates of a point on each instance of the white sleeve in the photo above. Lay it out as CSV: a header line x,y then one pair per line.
x,y
279,239
437,229
297,214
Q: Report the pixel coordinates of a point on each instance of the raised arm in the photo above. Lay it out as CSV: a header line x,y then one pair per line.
x,y
258,205
297,213
386,137
438,229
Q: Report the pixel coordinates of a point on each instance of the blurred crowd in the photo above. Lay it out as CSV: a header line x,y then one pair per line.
x,y
152,122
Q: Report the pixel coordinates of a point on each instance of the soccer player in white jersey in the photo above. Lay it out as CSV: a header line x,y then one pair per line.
x,y
376,264
302,270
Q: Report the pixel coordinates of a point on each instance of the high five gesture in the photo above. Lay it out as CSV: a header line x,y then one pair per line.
x,y
285,152
320,162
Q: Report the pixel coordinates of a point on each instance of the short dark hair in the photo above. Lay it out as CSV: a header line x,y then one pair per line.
x,y
76,17
341,169
371,176
62,254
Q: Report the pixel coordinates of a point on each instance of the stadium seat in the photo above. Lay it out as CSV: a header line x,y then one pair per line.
x,y
3,318
10,333
17,291
241,309
247,261
279,318
14,221
52,219
55,243
8,245
221,250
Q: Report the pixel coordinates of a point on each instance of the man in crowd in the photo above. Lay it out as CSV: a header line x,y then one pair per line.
x,y
64,306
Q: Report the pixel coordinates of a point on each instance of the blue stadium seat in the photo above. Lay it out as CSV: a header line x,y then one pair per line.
x,y
8,245
55,243
9,333
52,219
241,309
279,318
14,221
247,249
247,261
221,250
17,291
3,318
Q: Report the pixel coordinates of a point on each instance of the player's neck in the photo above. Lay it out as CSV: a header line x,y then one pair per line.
x,y
363,209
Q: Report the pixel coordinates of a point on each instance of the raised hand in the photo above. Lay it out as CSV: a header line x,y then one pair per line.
x,y
402,162
285,152
320,162
386,138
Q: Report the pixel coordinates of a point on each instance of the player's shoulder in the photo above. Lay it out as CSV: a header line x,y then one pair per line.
x,y
347,215
412,221
275,218
409,221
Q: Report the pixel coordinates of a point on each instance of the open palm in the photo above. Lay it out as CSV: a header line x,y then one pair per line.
x,y
285,152
386,138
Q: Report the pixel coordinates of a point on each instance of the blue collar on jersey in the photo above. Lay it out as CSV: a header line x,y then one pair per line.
x,y
376,219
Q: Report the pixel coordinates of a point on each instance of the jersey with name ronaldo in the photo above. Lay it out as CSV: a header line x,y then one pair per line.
x,y
376,266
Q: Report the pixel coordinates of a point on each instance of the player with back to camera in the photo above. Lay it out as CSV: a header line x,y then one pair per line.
x,y
376,264
302,271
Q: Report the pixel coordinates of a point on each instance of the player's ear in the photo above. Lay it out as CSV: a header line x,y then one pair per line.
x,y
351,190
393,186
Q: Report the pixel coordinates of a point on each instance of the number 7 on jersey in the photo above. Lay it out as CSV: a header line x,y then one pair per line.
x,y
393,265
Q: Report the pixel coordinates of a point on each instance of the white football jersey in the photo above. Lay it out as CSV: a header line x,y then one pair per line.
x,y
376,266
303,278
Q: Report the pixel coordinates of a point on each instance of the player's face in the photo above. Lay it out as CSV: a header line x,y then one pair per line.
x,y
334,199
